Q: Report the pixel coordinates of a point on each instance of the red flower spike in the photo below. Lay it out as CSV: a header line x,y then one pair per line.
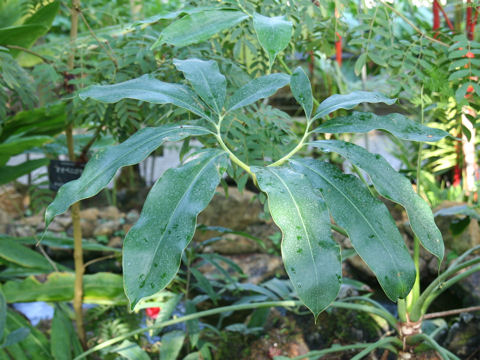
x,y
470,89
152,312
470,55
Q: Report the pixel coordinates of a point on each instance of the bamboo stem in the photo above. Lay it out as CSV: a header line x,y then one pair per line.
x,y
75,208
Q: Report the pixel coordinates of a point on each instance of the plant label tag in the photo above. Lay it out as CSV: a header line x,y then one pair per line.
x,y
63,171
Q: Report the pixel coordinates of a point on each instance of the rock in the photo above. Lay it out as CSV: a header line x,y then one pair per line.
x,y
32,221
5,219
64,221
237,212
107,228
88,227
464,336
11,201
111,213
24,231
56,227
116,242
257,267
132,216
90,214
468,290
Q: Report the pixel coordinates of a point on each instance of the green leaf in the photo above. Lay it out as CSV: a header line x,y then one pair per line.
x,y
274,34
16,145
100,288
10,173
395,187
3,314
257,89
396,124
63,338
15,252
302,90
360,63
368,223
204,284
15,336
460,74
130,350
206,80
311,257
147,88
349,101
104,164
172,343
153,247
198,27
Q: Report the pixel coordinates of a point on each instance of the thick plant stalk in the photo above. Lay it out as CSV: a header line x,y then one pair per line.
x,y
75,209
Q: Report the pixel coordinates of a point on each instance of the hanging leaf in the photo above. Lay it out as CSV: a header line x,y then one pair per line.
x,y
257,89
206,80
311,257
302,90
198,27
349,101
368,223
130,351
147,88
104,164
360,63
274,34
172,343
63,338
396,124
153,247
395,187
14,252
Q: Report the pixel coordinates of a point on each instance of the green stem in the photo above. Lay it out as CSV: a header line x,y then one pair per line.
x,y
402,310
194,316
294,150
445,354
317,354
233,157
338,229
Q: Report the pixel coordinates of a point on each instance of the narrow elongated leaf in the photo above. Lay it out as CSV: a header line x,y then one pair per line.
x,y
257,89
368,223
14,252
63,338
172,343
153,247
130,351
100,288
15,336
198,27
311,257
302,90
10,173
274,34
396,124
395,187
349,101
14,146
3,314
104,164
147,88
206,79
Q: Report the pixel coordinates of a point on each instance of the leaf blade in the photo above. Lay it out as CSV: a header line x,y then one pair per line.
x,y
257,89
206,79
395,187
302,90
396,124
97,175
349,101
167,223
368,223
307,244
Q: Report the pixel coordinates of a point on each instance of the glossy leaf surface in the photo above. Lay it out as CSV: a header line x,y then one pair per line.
x,y
147,88
396,124
349,101
104,164
14,252
172,343
257,89
154,245
302,90
395,187
206,80
311,257
368,223
198,27
3,314
130,351
100,288
274,34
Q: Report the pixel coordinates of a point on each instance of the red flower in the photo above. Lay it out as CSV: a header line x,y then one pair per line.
x,y
470,55
152,312
470,89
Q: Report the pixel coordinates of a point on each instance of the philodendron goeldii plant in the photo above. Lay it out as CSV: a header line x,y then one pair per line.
x,y
302,193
